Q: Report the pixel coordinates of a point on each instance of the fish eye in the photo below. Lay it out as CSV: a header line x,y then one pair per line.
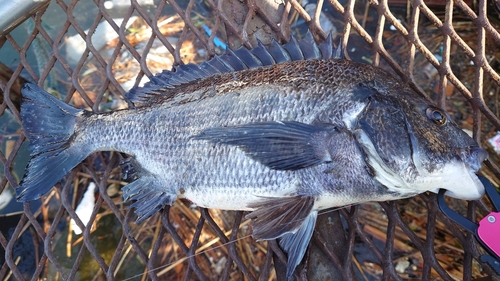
x,y
436,115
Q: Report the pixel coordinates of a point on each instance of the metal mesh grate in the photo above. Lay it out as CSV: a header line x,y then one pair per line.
x,y
455,43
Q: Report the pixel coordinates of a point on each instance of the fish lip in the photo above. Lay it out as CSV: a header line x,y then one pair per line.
x,y
471,196
481,155
473,156
465,184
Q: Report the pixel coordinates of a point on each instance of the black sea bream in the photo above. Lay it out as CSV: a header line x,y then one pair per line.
x,y
282,131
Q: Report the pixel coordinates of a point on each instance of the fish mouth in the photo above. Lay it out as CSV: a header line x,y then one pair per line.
x,y
474,191
459,181
462,181
457,177
473,156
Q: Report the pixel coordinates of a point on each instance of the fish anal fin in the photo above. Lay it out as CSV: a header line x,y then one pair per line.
x,y
279,145
131,169
290,218
148,193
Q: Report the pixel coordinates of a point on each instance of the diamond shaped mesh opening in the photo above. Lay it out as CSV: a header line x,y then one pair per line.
x,y
89,55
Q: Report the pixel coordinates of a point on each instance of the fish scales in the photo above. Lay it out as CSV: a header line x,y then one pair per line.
x,y
282,140
159,137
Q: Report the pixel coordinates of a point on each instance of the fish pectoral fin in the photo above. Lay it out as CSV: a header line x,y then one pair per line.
x,y
291,218
149,195
284,145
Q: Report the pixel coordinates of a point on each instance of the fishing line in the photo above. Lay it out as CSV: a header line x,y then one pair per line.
x,y
188,257
222,245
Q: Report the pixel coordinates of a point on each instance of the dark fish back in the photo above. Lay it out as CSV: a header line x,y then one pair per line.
x,y
168,82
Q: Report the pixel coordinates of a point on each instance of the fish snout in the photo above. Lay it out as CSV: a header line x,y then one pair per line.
x,y
473,156
479,155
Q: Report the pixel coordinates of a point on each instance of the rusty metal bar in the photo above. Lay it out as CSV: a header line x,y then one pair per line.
x,y
355,233
13,13
171,229
9,255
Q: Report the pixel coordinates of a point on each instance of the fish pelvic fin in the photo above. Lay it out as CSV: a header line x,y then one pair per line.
x,y
290,218
295,244
149,194
49,125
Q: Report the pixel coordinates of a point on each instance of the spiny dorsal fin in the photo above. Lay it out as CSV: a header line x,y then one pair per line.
x,y
235,60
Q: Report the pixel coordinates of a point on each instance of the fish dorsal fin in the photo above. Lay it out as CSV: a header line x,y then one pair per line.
x,y
234,60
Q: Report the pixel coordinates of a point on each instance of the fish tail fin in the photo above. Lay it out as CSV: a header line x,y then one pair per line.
x,y
49,125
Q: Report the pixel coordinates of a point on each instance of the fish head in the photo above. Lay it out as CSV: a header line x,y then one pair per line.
x,y
442,150
412,146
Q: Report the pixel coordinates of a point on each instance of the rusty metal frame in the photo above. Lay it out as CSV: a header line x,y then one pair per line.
x,y
44,231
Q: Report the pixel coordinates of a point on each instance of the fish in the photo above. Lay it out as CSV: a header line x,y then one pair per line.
x,y
282,131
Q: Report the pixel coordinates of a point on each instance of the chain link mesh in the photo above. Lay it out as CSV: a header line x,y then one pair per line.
x,y
449,49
